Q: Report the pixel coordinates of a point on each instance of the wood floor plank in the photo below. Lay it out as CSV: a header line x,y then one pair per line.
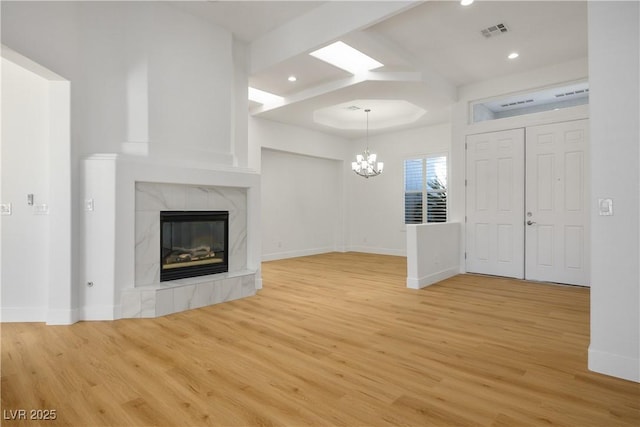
x,y
332,340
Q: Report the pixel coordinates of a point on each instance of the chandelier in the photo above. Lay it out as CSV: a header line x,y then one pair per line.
x,y
366,164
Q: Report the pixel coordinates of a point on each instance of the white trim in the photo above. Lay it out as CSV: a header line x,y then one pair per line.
x,y
423,282
99,312
377,251
295,254
318,251
23,314
29,65
62,316
615,365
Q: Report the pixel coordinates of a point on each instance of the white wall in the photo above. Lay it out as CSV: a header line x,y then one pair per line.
x,y
371,211
147,78
614,58
240,118
35,151
25,168
141,71
303,197
301,205
432,253
293,139
376,205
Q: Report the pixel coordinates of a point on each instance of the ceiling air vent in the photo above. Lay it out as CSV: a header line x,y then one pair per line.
x,y
353,108
575,92
494,30
514,103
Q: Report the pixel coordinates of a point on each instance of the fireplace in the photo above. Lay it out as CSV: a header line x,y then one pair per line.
x,y
193,243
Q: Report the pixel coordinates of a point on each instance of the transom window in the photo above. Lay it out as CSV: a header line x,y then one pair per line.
x,y
425,189
556,98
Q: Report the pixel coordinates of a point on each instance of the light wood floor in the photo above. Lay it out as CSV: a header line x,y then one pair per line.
x,y
324,344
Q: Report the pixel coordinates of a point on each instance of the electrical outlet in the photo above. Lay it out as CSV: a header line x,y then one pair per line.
x,y
5,208
41,209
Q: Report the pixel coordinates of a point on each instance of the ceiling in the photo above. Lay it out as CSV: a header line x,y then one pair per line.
x,y
428,48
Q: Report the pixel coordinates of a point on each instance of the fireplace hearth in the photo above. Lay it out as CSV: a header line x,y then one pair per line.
x,y
193,243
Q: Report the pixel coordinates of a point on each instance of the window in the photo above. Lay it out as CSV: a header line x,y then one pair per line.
x,y
549,99
425,190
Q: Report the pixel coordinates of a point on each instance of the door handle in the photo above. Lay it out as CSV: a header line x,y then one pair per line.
x,y
530,222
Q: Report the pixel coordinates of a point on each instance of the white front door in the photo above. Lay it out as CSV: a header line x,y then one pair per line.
x,y
557,217
495,203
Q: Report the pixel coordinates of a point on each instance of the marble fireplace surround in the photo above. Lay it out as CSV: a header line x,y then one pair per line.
x,y
123,198
151,198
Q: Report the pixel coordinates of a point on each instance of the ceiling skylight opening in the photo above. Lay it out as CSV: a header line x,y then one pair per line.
x,y
341,55
292,78
264,98
466,2
513,55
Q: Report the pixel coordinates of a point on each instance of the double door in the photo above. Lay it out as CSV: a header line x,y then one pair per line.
x,y
527,203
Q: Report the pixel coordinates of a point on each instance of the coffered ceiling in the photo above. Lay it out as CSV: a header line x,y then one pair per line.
x,y
428,48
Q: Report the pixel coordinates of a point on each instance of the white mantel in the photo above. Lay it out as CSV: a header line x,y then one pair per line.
x,y
110,232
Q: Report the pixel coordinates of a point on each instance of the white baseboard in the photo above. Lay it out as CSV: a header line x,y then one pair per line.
x,y
99,312
377,251
614,365
295,254
62,317
23,314
317,251
422,282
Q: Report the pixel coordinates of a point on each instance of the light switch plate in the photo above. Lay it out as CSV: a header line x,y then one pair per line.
x,y
89,205
5,208
605,207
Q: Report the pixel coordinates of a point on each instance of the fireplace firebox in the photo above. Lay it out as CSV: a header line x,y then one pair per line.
x,y
193,243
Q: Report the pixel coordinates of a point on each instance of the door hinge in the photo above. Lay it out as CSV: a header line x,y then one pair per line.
x,y
465,255
465,182
465,218
466,145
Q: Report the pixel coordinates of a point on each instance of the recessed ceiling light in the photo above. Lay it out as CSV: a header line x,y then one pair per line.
x,y
466,2
262,97
292,78
343,56
513,55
